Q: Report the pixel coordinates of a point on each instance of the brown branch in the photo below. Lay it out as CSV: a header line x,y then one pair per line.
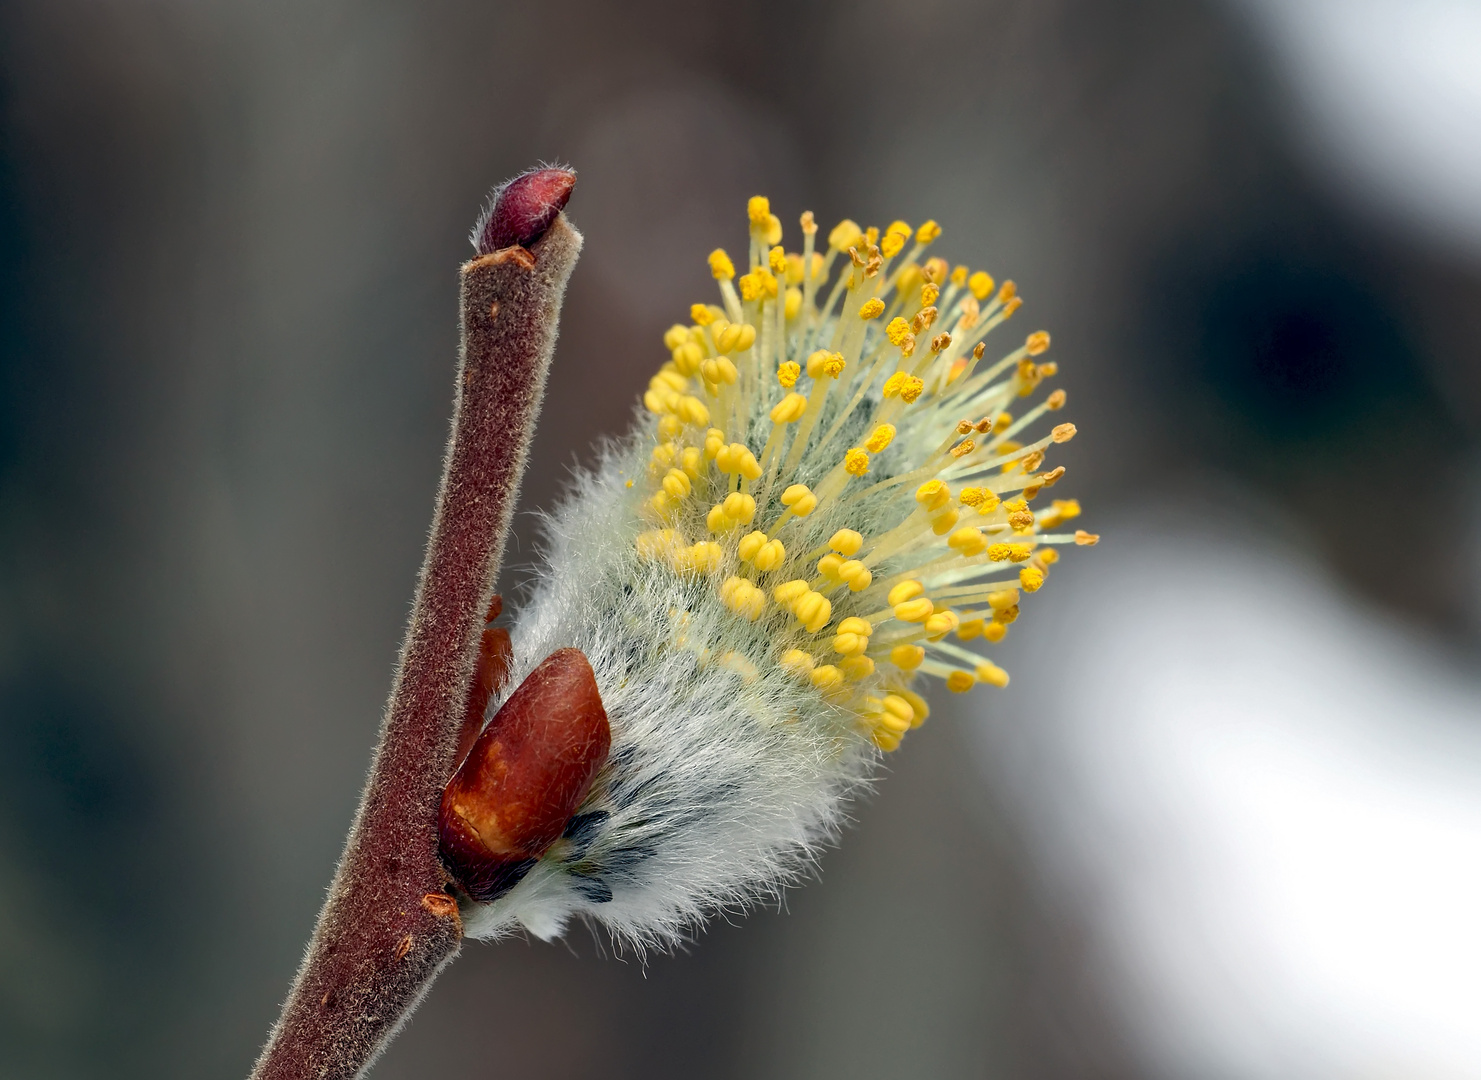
x,y
389,924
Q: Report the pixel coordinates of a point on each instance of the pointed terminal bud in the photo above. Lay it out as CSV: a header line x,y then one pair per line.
x,y
520,210
525,777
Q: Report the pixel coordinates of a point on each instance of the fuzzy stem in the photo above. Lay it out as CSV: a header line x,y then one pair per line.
x,y
389,924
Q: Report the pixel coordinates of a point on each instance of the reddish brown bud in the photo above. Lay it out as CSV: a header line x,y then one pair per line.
x,y
521,210
525,777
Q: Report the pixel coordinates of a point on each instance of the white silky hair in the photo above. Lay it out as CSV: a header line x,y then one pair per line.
x,y
726,776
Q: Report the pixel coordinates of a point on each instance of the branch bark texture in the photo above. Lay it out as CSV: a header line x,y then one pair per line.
x,y
390,923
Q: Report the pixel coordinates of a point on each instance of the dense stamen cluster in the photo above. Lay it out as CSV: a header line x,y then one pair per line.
x,y
834,453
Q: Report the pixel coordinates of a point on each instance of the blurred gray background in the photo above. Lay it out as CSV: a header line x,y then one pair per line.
x,y
1224,822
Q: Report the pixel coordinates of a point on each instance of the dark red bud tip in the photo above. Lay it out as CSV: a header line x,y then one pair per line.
x,y
521,210
525,776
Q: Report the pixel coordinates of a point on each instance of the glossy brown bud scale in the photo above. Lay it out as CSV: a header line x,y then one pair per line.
x,y
525,777
523,209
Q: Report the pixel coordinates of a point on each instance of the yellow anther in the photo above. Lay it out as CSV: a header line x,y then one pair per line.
x,y
771,556
929,294
758,209
1066,508
676,484
907,657
1019,515
796,662
981,284
675,336
855,625
1055,400
687,357
911,389
787,374
959,682
1086,539
906,590
898,707
856,462
822,362
846,542
657,543
972,496
789,592
789,410
1037,343
721,266
794,269
736,458
959,276
706,556
856,668
813,610
991,674
871,236
828,565
800,499
719,370
743,598
1003,599
1048,556
873,308
1048,369
945,521
749,545
809,226
692,411
846,644
909,278
664,454
1001,423
880,438
668,378
777,260
927,232
858,576
918,610
923,320
702,314
1007,614
963,448
793,303
661,502
825,676
999,552
971,630
994,631
752,286
968,541
1012,305
670,427
897,331
739,507
933,494
941,623
894,384
691,460
845,234
891,245
717,521
899,228
1008,292
714,443
1063,433
736,337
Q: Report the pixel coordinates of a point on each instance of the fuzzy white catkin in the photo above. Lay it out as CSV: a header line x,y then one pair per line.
x,y
721,785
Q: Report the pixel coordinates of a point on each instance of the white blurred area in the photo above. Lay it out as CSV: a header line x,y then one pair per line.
x,y
1264,798
1386,103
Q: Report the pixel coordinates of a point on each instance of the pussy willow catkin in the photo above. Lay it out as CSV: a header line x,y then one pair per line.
x,y
829,494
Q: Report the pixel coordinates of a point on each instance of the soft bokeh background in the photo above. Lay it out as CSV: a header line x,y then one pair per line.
x,y
1225,822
